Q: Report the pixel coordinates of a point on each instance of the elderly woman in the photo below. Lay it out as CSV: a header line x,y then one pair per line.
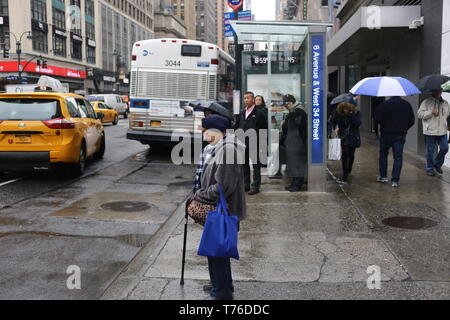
x,y
348,121
223,165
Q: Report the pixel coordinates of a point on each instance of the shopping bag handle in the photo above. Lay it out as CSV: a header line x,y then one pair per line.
x,y
222,202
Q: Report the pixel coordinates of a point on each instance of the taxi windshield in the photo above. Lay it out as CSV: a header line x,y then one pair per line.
x,y
29,109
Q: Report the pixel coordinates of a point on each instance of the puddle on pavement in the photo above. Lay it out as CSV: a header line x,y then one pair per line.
x,y
135,240
413,223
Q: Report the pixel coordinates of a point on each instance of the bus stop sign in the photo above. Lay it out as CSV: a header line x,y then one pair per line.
x,y
235,4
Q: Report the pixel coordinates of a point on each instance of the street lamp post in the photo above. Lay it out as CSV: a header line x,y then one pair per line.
x,y
19,49
118,54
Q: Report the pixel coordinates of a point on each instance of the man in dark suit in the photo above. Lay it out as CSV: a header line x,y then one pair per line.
x,y
252,118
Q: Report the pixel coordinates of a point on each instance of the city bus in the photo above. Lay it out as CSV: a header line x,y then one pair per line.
x,y
168,74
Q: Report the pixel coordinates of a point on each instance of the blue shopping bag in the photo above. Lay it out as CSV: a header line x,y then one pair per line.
x,y
220,234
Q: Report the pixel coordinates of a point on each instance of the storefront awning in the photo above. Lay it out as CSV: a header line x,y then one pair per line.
x,y
367,28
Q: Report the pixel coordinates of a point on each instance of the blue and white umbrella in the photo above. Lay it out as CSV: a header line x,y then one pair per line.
x,y
385,87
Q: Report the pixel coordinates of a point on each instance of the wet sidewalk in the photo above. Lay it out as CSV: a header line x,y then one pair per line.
x,y
316,245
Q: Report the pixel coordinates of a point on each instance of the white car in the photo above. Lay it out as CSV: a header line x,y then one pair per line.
x,y
111,100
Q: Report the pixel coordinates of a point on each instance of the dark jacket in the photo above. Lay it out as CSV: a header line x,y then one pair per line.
x,y
294,142
256,120
349,129
395,116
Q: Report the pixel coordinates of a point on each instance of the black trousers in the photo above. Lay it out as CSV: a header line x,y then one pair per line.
x,y
220,276
256,171
256,184
347,158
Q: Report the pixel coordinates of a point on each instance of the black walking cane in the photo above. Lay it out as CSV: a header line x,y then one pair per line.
x,y
184,244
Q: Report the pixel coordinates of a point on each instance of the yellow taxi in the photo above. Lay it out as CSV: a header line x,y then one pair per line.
x,y
40,130
109,114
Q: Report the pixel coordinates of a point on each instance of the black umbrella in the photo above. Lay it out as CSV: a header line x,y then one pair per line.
x,y
346,97
201,105
432,82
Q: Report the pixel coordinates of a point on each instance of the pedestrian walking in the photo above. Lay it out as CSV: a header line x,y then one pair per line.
x,y
396,117
348,121
223,166
252,118
294,141
434,112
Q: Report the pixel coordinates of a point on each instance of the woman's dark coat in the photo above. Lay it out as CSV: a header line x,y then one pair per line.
x,y
294,141
349,129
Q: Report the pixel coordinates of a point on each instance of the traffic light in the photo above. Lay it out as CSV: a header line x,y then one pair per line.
x,y
5,53
44,64
38,63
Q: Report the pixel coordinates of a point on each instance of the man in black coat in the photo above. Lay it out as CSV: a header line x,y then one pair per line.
x,y
252,118
396,117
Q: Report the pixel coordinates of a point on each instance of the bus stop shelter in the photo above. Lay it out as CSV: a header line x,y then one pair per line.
x,y
288,57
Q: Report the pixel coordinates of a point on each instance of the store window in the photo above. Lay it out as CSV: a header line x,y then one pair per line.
x,y
39,10
40,41
76,50
59,18
4,8
59,45
90,54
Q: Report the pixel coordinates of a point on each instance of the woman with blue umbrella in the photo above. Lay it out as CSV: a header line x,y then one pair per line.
x,y
395,116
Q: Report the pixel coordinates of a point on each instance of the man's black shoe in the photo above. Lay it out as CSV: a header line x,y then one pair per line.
x,y
208,287
217,298
295,189
288,187
439,170
253,192
247,189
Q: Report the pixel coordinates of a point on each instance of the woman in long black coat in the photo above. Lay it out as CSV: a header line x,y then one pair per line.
x,y
348,121
294,140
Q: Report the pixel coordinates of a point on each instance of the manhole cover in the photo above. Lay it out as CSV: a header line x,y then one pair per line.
x,y
126,206
409,222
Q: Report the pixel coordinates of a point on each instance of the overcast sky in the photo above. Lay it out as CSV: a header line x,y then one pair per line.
x,y
263,9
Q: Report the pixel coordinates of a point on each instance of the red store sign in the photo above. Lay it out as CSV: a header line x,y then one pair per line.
x,y
12,66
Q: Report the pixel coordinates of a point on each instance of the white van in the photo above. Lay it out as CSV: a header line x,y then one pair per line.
x,y
112,100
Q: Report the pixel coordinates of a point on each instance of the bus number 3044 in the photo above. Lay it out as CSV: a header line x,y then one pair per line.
x,y
173,63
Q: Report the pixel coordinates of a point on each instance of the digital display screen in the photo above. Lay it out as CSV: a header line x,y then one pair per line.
x,y
191,50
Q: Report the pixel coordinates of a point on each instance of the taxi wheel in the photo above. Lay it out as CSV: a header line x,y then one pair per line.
x,y
78,168
116,119
101,151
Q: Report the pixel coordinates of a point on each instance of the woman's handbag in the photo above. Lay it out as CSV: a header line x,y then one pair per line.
x,y
198,210
220,235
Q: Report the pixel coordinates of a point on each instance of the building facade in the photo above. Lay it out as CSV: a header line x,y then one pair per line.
x,y
185,11
405,38
312,10
207,20
167,23
85,43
